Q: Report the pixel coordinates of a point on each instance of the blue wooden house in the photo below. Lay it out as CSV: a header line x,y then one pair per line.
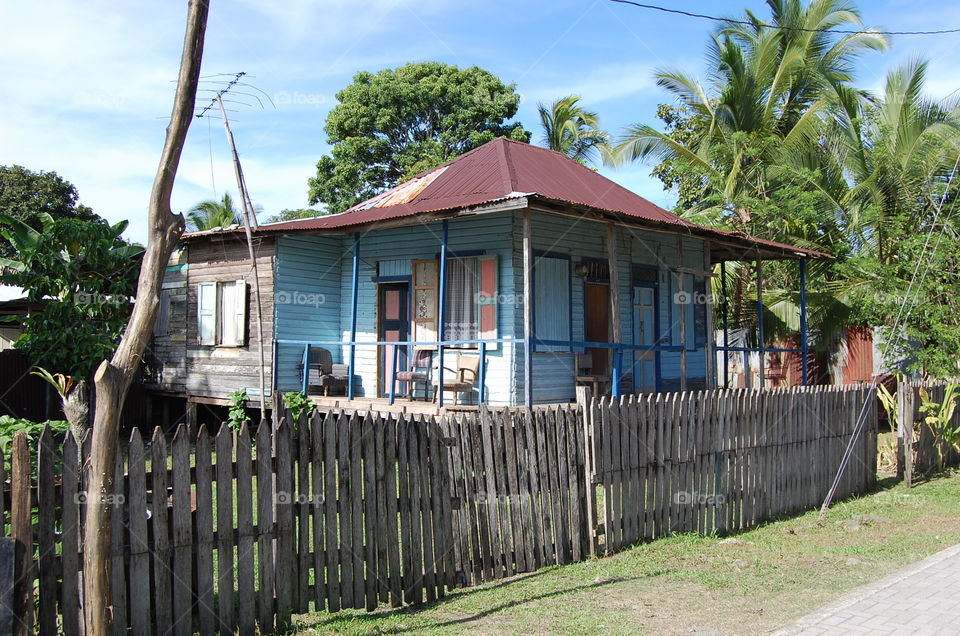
x,y
553,275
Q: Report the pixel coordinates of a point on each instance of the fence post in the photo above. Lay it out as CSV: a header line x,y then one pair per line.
x,y
905,394
584,400
21,527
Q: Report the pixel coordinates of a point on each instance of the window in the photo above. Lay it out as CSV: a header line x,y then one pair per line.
x,y
222,313
689,305
551,290
462,299
471,300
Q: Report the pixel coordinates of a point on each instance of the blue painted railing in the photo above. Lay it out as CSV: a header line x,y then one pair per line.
x,y
482,344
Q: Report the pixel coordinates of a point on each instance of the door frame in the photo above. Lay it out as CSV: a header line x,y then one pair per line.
x,y
656,330
401,283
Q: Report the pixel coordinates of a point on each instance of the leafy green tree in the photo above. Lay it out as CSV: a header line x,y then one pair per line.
x,y
391,125
85,274
760,113
572,130
210,214
900,151
744,149
294,214
25,194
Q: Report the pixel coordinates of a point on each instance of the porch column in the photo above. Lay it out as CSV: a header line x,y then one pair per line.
x,y
683,316
708,312
527,311
614,306
803,321
725,303
354,289
442,309
760,340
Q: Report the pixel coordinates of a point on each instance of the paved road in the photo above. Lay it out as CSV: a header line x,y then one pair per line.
x,y
923,598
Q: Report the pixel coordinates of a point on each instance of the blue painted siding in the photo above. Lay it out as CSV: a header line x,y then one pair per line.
x,y
307,296
583,239
313,285
394,249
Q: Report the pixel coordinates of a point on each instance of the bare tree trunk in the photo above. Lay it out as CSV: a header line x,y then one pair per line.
x,y
76,406
114,377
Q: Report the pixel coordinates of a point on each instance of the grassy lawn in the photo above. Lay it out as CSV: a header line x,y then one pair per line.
x,y
760,581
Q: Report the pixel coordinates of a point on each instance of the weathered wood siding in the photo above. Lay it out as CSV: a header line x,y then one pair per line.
x,y
190,368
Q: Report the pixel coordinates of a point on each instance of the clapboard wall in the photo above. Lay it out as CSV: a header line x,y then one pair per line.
x,y
210,371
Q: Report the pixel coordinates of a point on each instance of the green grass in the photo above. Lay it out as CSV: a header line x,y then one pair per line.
x,y
687,583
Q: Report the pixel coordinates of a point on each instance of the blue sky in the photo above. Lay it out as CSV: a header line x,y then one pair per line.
x,y
88,85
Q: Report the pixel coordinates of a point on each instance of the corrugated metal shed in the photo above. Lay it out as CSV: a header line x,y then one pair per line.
x,y
504,169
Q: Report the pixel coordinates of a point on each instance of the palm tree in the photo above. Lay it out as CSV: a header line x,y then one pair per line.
x,y
572,130
211,214
769,92
898,153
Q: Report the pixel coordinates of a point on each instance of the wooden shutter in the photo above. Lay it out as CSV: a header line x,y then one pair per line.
x,y
207,313
425,282
551,286
162,323
240,313
487,297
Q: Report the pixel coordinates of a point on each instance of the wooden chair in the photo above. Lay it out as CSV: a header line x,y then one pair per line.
x,y
418,373
323,373
585,375
459,380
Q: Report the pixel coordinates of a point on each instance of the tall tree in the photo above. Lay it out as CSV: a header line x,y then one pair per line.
x,y
900,152
211,213
570,129
25,194
393,124
744,147
769,91
85,275
114,376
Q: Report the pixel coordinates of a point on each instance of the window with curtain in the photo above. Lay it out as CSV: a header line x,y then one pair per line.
x,y
551,309
462,319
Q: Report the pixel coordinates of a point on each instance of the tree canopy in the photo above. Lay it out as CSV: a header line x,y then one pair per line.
x,y
211,213
26,194
570,129
393,124
85,274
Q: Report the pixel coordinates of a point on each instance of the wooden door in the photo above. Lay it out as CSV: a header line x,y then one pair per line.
x,y
393,318
597,328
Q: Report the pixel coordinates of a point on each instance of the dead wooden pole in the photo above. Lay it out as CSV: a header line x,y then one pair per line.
x,y
114,376
248,214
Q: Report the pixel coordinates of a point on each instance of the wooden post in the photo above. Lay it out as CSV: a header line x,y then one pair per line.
x,y
527,311
708,287
905,398
760,338
613,265
584,399
21,529
683,316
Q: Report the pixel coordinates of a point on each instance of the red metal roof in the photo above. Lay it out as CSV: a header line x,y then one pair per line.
x,y
504,169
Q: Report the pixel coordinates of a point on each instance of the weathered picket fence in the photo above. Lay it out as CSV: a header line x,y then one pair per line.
x,y
929,449
239,530
723,461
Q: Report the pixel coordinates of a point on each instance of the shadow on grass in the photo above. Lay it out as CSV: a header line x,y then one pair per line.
x,y
464,620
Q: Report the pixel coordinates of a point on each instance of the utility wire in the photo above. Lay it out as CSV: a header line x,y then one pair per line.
x,y
703,16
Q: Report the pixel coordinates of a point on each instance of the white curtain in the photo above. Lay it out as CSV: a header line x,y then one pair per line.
x,y
462,301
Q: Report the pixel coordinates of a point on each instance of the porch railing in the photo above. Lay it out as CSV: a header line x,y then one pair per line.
x,y
482,344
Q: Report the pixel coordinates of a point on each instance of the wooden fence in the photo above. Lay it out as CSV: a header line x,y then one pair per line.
x,y
928,448
723,461
238,531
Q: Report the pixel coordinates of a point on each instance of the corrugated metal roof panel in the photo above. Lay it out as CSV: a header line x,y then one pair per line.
x,y
503,169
